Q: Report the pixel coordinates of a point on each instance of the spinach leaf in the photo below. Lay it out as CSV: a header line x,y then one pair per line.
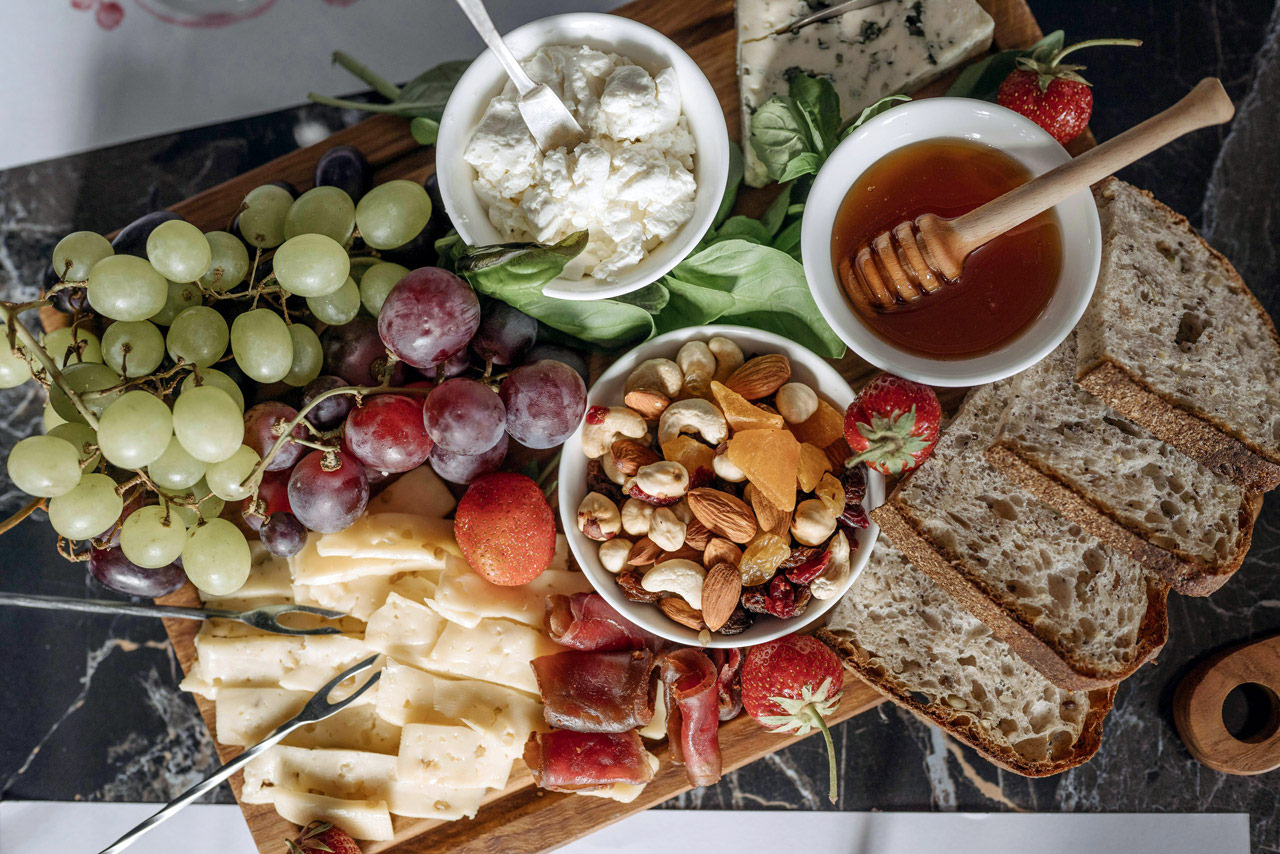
x,y
778,136
768,289
742,228
732,186
803,164
818,104
652,298
777,212
788,240
792,135
448,248
422,97
982,79
871,112
690,305
432,88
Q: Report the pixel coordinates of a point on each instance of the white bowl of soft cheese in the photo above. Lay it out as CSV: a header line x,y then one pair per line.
x,y
645,184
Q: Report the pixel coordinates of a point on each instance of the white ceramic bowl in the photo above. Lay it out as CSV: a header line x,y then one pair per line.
x,y
642,45
934,118
806,367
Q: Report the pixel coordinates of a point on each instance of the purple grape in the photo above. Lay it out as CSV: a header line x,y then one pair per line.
x,y
464,468
559,354
429,316
544,402
116,572
505,334
347,169
354,352
286,186
283,534
264,424
464,416
132,239
67,300
331,411
387,433
457,365
328,491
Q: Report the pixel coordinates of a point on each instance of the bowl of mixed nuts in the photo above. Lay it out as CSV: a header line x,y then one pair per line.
x,y
707,494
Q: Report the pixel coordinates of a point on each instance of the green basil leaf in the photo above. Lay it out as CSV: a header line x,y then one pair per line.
x,y
778,135
768,289
448,248
524,264
690,305
871,112
652,298
982,79
807,163
788,240
776,213
426,94
819,105
607,323
424,130
732,186
742,228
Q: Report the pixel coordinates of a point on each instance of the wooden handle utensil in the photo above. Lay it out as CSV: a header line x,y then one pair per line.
x,y
914,259
1197,708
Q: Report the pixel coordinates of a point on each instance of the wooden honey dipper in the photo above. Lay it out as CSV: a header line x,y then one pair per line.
x,y
914,259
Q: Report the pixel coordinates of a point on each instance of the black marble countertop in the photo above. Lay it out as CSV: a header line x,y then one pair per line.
x,y
89,705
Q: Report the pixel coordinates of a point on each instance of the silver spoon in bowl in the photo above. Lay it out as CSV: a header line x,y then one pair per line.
x,y
546,116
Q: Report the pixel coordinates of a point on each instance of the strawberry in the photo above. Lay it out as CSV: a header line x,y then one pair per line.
x,y
893,425
1053,95
320,836
505,528
791,685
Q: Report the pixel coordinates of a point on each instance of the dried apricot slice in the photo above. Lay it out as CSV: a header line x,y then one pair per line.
x,y
741,413
770,460
694,456
813,465
824,426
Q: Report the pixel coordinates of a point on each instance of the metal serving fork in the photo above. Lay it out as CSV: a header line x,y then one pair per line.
x,y
317,709
265,618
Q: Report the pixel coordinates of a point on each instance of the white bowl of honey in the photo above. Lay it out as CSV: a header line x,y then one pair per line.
x,y
1019,295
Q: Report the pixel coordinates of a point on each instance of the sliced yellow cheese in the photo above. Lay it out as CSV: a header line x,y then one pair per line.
x,y
311,568
324,657
404,629
493,651
393,536
268,583
356,775
656,728
457,757
247,715
422,800
420,492
406,695
369,820
463,597
257,660
623,793
357,727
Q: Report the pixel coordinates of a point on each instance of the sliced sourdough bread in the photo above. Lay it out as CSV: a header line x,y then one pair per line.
x,y
1175,341
1129,489
913,642
1083,614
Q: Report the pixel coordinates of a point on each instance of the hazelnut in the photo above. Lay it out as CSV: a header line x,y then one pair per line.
x,y
598,517
813,523
613,554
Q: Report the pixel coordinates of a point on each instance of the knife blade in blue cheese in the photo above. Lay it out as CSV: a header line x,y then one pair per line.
x,y
895,47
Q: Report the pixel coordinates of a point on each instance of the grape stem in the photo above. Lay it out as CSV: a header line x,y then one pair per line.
x,y
30,507
30,344
286,432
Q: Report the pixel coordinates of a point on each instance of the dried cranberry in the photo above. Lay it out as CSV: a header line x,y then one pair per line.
x,y
629,582
755,600
700,477
805,564
854,480
783,599
854,516
739,621
598,481
597,414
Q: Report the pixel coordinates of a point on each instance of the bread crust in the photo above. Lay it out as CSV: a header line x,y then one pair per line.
x,y
1186,573
963,726
1212,445
1052,660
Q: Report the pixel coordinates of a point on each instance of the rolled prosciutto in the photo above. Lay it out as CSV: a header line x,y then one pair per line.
x,y
693,714
587,622
728,664
597,691
565,761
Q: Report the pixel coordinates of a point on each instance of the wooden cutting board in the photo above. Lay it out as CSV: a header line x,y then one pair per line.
x,y
523,819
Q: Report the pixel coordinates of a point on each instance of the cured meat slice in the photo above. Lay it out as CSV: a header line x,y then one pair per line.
x,y
565,761
693,714
597,691
587,622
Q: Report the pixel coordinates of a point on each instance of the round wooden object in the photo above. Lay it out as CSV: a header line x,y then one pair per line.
x,y
1197,708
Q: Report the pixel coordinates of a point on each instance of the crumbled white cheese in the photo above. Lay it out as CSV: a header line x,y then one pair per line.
x,y
630,185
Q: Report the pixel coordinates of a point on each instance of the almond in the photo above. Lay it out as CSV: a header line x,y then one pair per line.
x,y
721,590
648,402
696,535
722,513
770,517
761,376
629,456
682,553
720,550
643,553
682,612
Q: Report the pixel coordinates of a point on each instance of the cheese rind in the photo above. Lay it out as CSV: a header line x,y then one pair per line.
x,y
894,47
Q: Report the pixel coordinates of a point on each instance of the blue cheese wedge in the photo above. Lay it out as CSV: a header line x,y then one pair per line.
x,y
895,47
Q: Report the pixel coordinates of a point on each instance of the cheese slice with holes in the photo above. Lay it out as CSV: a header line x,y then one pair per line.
x,y
407,695
492,651
324,657
356,775
357,727
623,793
312,568
245,716
454,756
368,820
393,536
404,629
422,800
463,597
420,492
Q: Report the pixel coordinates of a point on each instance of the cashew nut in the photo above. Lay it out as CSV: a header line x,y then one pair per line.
x,y
661,375
611,470
613,553
666,531
812,523
698,366
681,577
599,434
724,468
829,582
796,402
694,415
728,356
637,516
598,517
664,481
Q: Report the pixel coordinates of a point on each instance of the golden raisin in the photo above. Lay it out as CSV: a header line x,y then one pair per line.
x,y
762,558
830,492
